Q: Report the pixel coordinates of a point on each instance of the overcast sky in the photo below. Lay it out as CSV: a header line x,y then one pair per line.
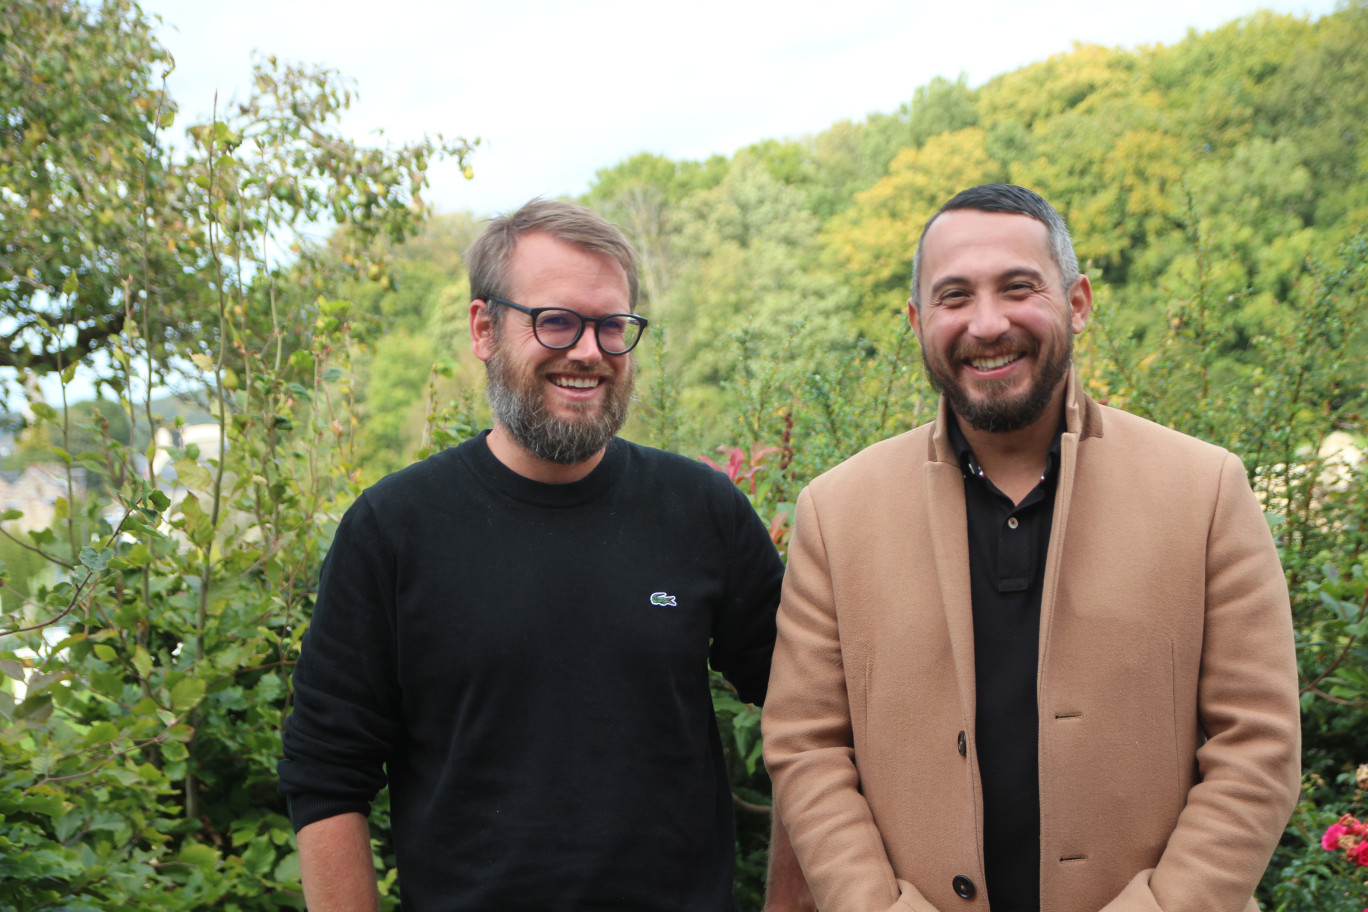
x,y
558,90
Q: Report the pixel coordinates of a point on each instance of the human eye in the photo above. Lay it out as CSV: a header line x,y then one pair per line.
x,y
952,297
557,320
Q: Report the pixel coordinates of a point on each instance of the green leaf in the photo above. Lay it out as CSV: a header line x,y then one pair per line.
x,y
69,641
138,556
96,560
101,733
142,662
197,854
186,693
105,653
259,857
288,869
44,681
70,284
38,708
37,800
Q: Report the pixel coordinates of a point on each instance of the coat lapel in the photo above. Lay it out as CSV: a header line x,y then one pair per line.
x,y
950,546
1082,419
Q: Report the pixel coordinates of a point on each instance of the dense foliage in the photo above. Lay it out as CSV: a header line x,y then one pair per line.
x,y
1217,192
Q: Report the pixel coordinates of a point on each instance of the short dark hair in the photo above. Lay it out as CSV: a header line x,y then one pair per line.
x,y
489,257
1014,200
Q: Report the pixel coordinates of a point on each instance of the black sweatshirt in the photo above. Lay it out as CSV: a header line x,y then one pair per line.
x,y
526,666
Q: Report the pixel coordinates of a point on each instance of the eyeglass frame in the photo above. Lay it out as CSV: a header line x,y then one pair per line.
x,y
535,312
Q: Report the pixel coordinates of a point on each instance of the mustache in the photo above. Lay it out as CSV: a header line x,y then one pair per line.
x,y
578,370
1015,344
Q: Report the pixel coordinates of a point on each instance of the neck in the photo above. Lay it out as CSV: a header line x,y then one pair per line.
x,y
509,452
1015,460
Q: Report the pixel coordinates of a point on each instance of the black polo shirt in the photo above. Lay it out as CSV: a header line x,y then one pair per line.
x,y
1007,547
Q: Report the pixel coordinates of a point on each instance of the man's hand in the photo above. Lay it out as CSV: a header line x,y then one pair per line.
x,y
335,865
786,890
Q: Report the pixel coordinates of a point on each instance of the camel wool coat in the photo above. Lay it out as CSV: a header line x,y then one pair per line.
x,y
1169,740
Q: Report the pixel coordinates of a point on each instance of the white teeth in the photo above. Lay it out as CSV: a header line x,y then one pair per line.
x,y
577,382
992,363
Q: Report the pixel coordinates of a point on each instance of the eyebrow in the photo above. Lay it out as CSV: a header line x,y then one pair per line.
x,y
1013,272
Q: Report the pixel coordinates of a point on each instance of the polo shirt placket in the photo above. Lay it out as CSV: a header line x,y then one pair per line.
x,y
1008,543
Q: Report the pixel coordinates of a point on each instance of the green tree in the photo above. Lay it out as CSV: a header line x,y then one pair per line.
x,y
86,137
873,242
150,656
748,247
941,106
80,114
641,195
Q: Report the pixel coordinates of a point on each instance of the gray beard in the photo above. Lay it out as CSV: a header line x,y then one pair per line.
x,y
522,410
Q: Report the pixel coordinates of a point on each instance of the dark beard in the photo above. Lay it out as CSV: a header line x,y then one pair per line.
x,y
1001,414
521,408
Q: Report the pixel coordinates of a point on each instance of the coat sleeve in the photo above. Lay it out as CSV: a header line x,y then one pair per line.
x,y
1249,766
809,743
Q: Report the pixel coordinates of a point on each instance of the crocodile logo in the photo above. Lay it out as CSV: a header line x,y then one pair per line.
x,y
662,598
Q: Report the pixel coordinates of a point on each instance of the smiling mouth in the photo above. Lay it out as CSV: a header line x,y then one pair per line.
x,y
577,382
987,364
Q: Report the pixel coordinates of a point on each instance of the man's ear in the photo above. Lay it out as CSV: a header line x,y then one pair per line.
x,y
481,330
914,317
1080,303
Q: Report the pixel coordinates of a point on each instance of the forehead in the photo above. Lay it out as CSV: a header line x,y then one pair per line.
x,y
968,242
546,271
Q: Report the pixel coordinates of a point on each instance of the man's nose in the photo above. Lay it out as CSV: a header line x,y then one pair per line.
x,y
989,319
586,348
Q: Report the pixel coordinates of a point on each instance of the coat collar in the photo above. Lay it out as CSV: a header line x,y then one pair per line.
x,y
947,519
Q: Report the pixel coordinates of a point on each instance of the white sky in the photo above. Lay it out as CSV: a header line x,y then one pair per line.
x,y
559,90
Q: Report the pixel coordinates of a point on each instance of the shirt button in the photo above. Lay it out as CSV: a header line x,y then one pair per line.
x,y
964,887
1012,522
962,744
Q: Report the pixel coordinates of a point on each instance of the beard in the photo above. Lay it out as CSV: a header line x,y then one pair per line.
x,y
995,410
518,401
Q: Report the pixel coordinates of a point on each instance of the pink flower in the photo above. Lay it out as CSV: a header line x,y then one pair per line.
x,y
1331,840
1359,854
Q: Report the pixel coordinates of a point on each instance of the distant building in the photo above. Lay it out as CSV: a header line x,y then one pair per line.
x,y
36,490
204,436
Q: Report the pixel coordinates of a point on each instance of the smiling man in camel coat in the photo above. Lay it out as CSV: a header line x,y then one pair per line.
x,y
1037,654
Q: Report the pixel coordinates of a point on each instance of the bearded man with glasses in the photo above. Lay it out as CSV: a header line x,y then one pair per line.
x,y
514,635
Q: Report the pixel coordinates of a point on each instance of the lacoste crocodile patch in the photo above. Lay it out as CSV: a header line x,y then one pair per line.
x,y
662,598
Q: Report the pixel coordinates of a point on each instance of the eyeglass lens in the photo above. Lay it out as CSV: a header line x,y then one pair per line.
x,y
617,334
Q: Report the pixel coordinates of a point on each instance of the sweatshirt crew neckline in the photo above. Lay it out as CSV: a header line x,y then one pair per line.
x,y
504,481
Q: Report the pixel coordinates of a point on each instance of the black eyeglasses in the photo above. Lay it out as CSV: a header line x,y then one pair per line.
x,y
559,328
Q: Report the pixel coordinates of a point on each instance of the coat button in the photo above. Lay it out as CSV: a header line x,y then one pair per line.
x,y
964,887
962,744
